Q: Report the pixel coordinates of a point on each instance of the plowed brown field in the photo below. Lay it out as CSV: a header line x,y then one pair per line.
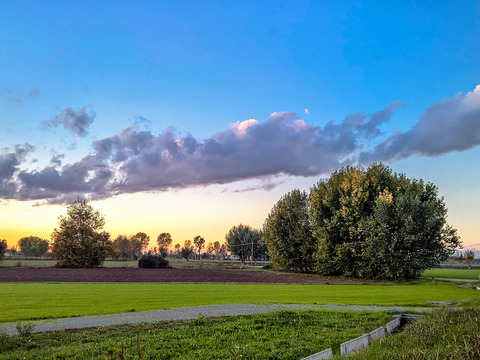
x,y
136,275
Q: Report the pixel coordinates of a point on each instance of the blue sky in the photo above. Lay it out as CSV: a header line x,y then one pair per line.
x,y
74,73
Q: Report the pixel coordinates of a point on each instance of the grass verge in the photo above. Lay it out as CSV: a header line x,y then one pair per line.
x,y
31,301
471,274
443,334
279,335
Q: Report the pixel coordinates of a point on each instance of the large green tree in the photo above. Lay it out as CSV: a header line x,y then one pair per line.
x,y
374,223
288,234
244,241
78,241
369,223
33,246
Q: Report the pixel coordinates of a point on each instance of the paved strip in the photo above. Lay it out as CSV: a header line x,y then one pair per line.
x,y
91,321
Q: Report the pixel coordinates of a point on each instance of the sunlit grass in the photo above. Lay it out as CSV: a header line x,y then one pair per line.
x,y
471,274
278,335
28,301
443,334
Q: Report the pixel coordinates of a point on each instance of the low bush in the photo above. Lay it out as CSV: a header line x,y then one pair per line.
x,y
152,261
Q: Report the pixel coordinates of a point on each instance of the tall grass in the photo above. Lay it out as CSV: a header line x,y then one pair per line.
x,y
443,334
279,335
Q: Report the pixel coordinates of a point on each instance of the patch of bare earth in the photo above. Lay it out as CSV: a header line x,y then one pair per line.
x,y
136,275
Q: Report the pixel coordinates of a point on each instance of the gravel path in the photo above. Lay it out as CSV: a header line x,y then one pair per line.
x,y
186,313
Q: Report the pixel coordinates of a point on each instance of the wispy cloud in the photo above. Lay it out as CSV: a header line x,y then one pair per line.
x,y
75,121
18,98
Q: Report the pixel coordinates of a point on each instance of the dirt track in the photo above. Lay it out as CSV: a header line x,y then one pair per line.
x,y
136,275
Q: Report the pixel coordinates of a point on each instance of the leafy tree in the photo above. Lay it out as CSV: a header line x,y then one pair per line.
x,y
210,250
469,257
288,234
376,224
223,251
121,247
199,244
138,244
164,241
216,249
78,242
130,247
177,250
3,247
187,249
33,246
242,240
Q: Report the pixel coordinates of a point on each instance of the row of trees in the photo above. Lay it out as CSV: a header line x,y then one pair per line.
x,y
80,241
364,223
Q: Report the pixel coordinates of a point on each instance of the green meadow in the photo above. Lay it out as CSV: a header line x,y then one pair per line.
x,y
471,274
277,335
32,301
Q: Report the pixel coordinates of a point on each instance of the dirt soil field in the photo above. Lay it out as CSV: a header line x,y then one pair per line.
x,y
136,275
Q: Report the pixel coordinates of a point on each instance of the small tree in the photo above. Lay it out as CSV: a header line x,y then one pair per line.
x,y
3,248
216,249
78,242
138,244
121,247
164,241
199,244
177,250
33,246
210,250
187,249
469,257
243,241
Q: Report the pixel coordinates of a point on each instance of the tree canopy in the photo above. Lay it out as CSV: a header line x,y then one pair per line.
x,y
242,240
3,247
130,247
368,223
288,234
199,243
33,246
164,241
78,241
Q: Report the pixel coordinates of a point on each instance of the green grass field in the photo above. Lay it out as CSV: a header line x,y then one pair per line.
x,y
278,335
30,301
471,274
443,334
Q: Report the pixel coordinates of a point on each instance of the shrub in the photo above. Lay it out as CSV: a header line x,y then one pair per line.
x,y
152,261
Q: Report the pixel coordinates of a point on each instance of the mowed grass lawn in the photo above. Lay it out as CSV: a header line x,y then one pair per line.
x,y
471,274
31,301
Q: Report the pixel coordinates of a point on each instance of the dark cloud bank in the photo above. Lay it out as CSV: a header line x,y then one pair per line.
x,y
134,160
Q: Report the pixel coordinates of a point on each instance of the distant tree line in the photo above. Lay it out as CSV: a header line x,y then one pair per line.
x,y
79,241
367,223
